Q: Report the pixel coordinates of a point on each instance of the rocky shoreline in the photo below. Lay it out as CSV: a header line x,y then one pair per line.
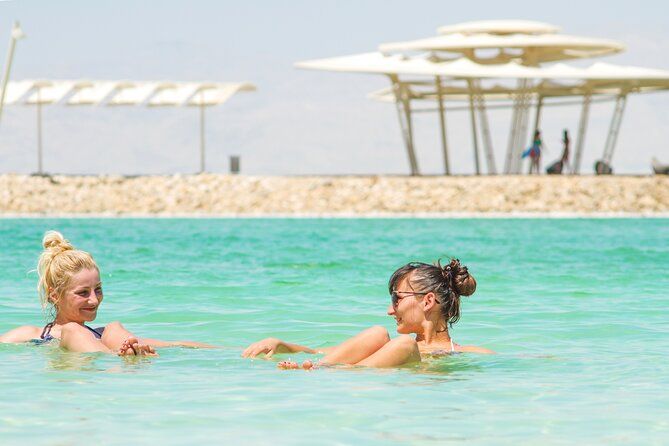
x,y
211,194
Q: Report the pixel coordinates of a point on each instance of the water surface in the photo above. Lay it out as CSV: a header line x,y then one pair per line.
x,y
575,308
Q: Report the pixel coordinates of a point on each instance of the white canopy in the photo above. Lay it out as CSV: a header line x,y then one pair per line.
x,y
500,27
463,68
93,93
48,92
534,48
89,92
379,63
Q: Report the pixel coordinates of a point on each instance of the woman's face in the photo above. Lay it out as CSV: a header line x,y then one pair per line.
x,y
408,312
81,299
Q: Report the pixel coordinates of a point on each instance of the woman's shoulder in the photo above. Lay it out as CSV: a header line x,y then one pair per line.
x,y
21,334
474,349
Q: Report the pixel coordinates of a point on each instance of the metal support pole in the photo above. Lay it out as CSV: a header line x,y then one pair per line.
x,y
412,153
485,128
614,129
474,132
442,125
40,169
521,134
582,126
202,166
515,115
537,114
400,115
404,115
16,34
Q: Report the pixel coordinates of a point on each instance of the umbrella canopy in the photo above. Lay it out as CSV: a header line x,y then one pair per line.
x,y
598,74
500,27
528,48
379,63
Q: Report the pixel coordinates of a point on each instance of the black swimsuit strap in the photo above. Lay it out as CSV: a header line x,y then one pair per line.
x,y
46,331
95,332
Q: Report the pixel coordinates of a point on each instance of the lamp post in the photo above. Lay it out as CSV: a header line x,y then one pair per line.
x,y
17,33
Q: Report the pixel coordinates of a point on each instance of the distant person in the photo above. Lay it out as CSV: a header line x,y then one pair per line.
x,y
534,152
562,164
425,301
69,284
565,150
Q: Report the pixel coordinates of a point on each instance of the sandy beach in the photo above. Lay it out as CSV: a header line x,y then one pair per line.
x,y
212,194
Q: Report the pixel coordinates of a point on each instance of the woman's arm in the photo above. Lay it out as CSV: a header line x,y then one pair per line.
x,y
475,349
21,334
115,334
270,346
189,344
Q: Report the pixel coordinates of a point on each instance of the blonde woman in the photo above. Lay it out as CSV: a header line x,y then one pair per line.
x,y
69,285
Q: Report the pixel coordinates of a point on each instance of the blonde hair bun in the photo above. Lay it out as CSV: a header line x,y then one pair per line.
x,y
54,241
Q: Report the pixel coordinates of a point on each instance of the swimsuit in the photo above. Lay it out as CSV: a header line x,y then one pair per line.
x,y
46,333
443,351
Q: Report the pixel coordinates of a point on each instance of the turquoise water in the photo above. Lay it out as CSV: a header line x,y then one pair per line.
x,y
575,308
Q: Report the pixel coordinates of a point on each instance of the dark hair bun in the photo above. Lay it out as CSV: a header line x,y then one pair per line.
x,y
460,281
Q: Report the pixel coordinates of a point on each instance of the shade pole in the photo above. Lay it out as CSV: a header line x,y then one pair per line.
x,y
402,101
521,135
40,169
537,114
442,125
412,152
399,104
614,129
475,139
16,34
485,128
510,149
202,160
582,127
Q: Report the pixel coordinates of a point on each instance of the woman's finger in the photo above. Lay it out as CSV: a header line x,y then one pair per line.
x,y
249,350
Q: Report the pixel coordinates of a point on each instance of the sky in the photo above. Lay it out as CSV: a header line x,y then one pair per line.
x,y
299,122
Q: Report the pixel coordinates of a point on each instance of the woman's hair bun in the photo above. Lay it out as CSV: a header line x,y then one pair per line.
x,y
55,242
459,279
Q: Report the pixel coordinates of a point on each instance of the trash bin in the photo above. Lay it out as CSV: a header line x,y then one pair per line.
x,y
234,164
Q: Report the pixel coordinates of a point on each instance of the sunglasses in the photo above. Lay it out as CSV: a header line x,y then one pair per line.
x,y
395,296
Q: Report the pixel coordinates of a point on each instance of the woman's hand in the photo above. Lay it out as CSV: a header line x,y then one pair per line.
x,y
133,347
268,346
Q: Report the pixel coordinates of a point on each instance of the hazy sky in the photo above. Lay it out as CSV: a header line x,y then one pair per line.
x,y
298,122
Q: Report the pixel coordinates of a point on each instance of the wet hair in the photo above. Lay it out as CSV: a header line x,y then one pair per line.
x,y
447,282
57,264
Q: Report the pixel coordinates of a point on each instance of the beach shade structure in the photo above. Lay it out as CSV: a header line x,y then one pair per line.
x,y
16,34
122,93
429,69
597,83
